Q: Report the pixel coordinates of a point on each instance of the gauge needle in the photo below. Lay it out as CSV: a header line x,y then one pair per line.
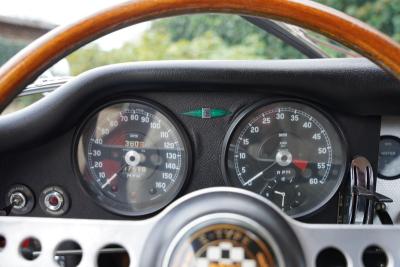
x,y
109,180
283,194
255,177
301,164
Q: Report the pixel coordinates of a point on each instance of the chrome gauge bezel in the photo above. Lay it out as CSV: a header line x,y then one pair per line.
x,y
106,202
248,110
381,176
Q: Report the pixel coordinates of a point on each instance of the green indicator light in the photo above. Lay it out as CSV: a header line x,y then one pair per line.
x,y
198,113
207,113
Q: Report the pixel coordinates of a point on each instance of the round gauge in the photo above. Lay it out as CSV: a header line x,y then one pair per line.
x,y
389,158
222,245
133,157
287,152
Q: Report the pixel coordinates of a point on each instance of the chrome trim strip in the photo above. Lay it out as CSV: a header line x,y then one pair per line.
x,y
92,235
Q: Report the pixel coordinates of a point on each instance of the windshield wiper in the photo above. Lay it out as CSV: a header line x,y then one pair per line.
x,y
289,35
299,38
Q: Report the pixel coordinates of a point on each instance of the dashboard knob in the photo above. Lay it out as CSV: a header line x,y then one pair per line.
x,y
22,199
18,199
54,201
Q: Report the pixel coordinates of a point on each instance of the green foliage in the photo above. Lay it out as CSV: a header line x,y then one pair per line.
x,y
22,102
381,14
179,38
211,36
236,35
8,49
232,29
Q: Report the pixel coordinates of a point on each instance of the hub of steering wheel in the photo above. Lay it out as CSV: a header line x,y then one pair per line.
x,y
224,227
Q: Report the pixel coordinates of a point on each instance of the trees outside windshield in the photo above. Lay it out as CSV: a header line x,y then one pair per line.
x,y
205,36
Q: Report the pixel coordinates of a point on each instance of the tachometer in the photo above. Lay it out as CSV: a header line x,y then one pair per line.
x,y
133,157
288,152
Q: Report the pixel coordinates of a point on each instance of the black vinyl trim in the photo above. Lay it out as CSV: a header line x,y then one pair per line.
x,y
355,86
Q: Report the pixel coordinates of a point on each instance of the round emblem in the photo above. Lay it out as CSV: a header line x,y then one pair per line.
x,y
222,245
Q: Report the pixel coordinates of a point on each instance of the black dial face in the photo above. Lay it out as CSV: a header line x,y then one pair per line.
x,y
133,158
287,152
389,157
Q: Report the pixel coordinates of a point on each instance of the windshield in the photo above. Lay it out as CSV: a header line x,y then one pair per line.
x,y
203,36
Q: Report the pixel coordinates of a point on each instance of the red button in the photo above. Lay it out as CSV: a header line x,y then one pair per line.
x,y
53,201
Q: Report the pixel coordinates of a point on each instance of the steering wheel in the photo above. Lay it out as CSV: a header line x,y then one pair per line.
x,y
250,220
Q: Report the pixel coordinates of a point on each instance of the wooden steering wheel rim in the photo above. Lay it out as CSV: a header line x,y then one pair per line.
x,y
23,68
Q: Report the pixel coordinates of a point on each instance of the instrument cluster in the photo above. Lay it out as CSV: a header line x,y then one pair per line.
x,y
133,156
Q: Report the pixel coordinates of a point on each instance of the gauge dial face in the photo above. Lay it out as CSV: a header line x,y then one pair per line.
x,y
389,157
133,158
287,152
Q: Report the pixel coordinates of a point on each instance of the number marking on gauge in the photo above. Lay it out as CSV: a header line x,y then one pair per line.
x,y
289,142
136,158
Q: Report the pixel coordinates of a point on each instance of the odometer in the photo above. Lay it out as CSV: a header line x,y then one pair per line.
x,y
133,157
288,152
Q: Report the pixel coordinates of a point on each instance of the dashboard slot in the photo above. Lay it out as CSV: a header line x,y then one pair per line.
x,y
68,254
113,255
3,242
375,256
30,248
331,257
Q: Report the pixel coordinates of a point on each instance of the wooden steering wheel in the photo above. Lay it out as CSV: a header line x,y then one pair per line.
x,y
23,68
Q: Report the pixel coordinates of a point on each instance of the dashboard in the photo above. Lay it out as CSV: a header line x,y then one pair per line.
x,y
134,156
388,172
123,142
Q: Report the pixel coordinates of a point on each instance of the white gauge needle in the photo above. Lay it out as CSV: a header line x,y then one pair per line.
x,y
109,180
283,194
255,177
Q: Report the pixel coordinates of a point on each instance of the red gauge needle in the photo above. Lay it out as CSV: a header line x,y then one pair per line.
x,y
301,164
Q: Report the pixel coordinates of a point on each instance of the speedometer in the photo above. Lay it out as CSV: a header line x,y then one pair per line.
x,y
287,152
133,157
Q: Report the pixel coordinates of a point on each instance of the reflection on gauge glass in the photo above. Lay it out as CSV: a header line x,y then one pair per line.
x,y
288,152
389,158
133,157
